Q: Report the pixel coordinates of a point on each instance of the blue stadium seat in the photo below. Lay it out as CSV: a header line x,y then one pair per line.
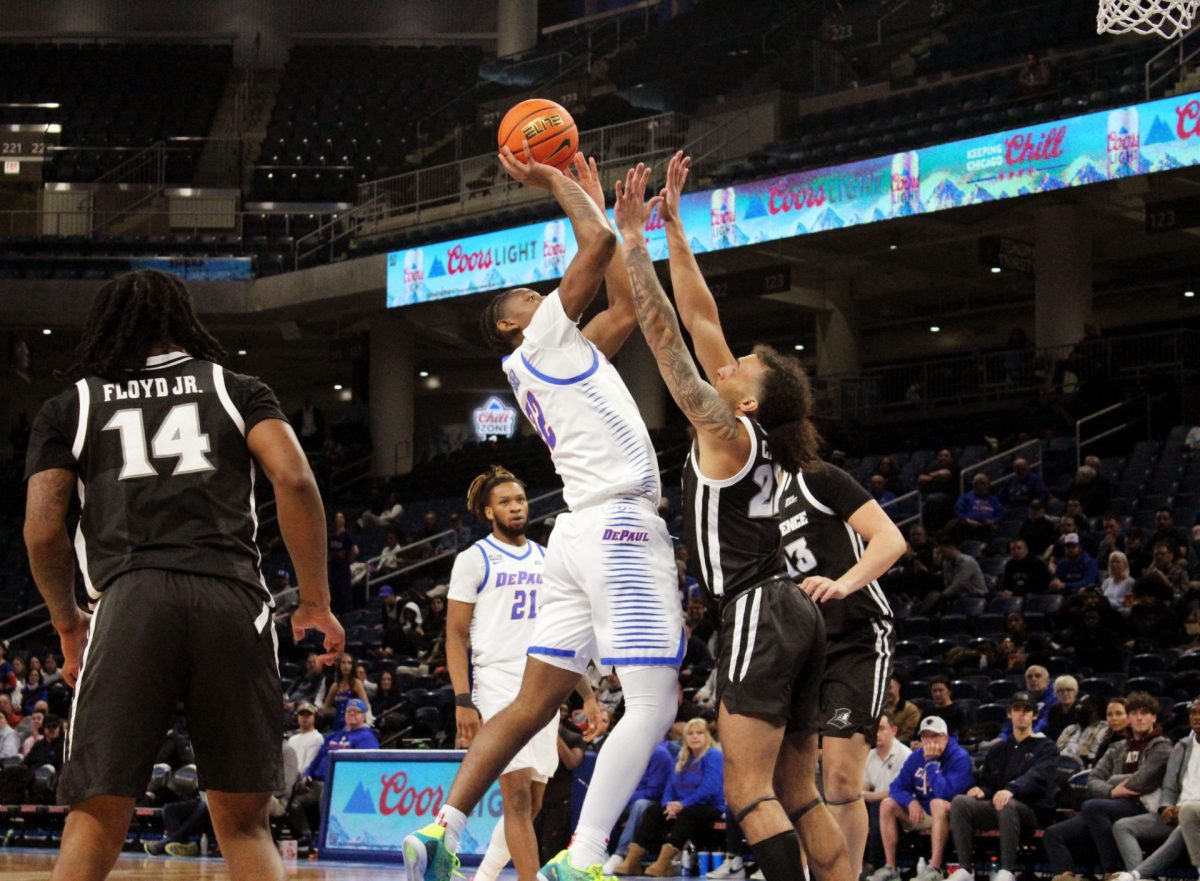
x,y
1004,605
1143,664
1043,603
969,606
995,714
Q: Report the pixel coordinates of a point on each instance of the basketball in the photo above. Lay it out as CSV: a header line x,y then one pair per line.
x,y
549,128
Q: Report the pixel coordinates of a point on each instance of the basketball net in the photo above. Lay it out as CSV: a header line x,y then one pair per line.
x,y
1167,18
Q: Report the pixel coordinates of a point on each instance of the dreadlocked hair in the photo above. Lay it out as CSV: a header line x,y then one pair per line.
x,y
493,312
479,494
131,315
785,404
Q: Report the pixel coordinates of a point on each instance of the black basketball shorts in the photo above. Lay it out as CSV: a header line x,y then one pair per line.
x,y
858,665
159,638
772,655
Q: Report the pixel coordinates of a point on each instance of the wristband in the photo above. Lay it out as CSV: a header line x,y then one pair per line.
x,y
464,700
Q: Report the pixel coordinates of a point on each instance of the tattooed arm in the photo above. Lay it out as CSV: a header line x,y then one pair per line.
x,y
722,439
52,560
596,239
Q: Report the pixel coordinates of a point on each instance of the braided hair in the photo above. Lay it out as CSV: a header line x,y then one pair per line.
x,y
132,314
785,405
496,339
479,494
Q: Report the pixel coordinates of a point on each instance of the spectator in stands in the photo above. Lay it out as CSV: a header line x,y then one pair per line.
x,y
1038,530
308,686
1116,723
47,747
1137,552
1077,568
1024,573
1166,567
10,715
35,719
51,675
1166,530
309,423
961,577
387,695
977,513
435,619
1129,770
10,741
878,488
942,696
1037,688
903,713
883,766
307,740
553,822
1091,491
939,485
1068,525
8,676
1118,583
353,735
342,552
360,673
30,724
1082,739
920,796
919,574
389,514
1098,646
1153,623
891,475
462,534
1062,711
181,819
1180,793
1112,539
694,798
1035,76
1013,792
345,687
33,690
649,793
1023,487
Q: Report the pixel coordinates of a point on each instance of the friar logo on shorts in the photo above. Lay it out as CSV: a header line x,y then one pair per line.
x,y
840,718
625,535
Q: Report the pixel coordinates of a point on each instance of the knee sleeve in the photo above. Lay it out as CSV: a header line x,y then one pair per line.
x,y
750,808
795,815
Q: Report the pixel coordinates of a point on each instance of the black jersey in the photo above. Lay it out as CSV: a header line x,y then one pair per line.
x,y
165,478
732,529
815,507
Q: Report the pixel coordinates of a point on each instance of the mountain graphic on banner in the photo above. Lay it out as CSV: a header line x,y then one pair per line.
x,y
755,208
829,219
947,194
698,247
1088,174
1160,133
494,280
360,801
1169,161
1051,182
335,834
438,268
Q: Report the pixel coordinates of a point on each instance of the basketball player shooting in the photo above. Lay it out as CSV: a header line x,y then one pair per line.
x,y
610,583
837,542
772,642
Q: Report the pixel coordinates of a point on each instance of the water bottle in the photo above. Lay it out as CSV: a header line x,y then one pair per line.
x,y
993,869
204,844
687,863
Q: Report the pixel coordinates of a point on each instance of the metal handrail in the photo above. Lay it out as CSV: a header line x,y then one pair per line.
x,y
1010,452
1080,442
1174,46
20,615
904,521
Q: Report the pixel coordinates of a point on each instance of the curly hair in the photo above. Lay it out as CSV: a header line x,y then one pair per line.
x,y
479,494
495,339
785,405
132,314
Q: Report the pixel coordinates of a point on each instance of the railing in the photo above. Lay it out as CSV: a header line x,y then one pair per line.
x,y
897,507
1132,413
1177,47
338,228
1009,455
41,607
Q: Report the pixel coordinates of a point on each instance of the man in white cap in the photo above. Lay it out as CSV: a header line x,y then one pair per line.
x,y
920,796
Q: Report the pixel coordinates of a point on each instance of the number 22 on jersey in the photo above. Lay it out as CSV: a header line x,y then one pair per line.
x,y
538,420
179,437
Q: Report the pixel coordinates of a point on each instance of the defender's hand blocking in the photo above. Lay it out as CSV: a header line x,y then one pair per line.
x,y
531,173
308,617
677,172
583,172
630,209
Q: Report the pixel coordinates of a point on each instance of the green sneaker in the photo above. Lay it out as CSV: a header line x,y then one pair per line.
x,y
426,857
560,869
183,849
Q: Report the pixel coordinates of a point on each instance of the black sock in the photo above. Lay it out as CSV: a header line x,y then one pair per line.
x,y
779,857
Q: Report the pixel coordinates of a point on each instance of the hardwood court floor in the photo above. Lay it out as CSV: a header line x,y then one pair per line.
x,y
19,864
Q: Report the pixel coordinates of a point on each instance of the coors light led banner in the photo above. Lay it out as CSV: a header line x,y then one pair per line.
x,y
1140,139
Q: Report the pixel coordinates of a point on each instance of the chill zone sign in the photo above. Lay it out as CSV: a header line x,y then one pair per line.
x,y
494,419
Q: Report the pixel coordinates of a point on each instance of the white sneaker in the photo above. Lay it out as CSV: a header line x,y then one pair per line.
x,y
758,876
730,867
612,862
1005,875
964,875
885,873
1126,876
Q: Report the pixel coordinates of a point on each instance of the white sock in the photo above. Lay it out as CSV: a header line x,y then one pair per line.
x,y
650,706
497,855
455,821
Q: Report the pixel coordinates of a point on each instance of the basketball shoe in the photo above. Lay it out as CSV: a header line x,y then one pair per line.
x,y
560,869
426,857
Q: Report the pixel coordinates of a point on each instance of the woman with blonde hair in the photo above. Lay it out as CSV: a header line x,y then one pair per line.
x,y
1117,585
693,800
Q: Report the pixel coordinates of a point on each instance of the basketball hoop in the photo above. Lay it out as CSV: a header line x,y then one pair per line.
x,y
1167,18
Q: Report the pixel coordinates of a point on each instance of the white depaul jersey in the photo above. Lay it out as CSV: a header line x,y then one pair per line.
x,y
578,404
504,584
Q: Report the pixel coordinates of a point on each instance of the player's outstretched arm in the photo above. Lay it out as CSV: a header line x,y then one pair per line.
x,y
52,561
723,440
697,306
609,329
274,446
595,237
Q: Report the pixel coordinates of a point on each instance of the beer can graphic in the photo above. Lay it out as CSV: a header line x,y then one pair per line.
x,y
414,274
1123,143
906,184
723,217
554,248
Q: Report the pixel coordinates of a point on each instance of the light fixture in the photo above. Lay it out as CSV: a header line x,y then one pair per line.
x,y
423,374
46,331
995,269
1188,294
892,246
337,387
799,347
933,328
241,351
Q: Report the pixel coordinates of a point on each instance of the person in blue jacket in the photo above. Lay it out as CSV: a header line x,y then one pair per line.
x,y
356,734
920,797
978,512
649,792
694,798
1076,569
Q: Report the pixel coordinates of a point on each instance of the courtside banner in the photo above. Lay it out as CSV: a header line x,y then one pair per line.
x,y
1139,139
373,798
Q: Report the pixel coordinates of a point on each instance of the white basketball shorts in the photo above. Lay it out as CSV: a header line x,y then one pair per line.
x,y
495,689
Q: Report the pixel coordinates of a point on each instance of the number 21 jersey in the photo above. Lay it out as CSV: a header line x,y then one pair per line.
x,y
165,478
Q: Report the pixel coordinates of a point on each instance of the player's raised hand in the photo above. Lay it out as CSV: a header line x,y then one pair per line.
x,y
583,172
468,722
311,617
531,173
630,207
74,637
677,173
